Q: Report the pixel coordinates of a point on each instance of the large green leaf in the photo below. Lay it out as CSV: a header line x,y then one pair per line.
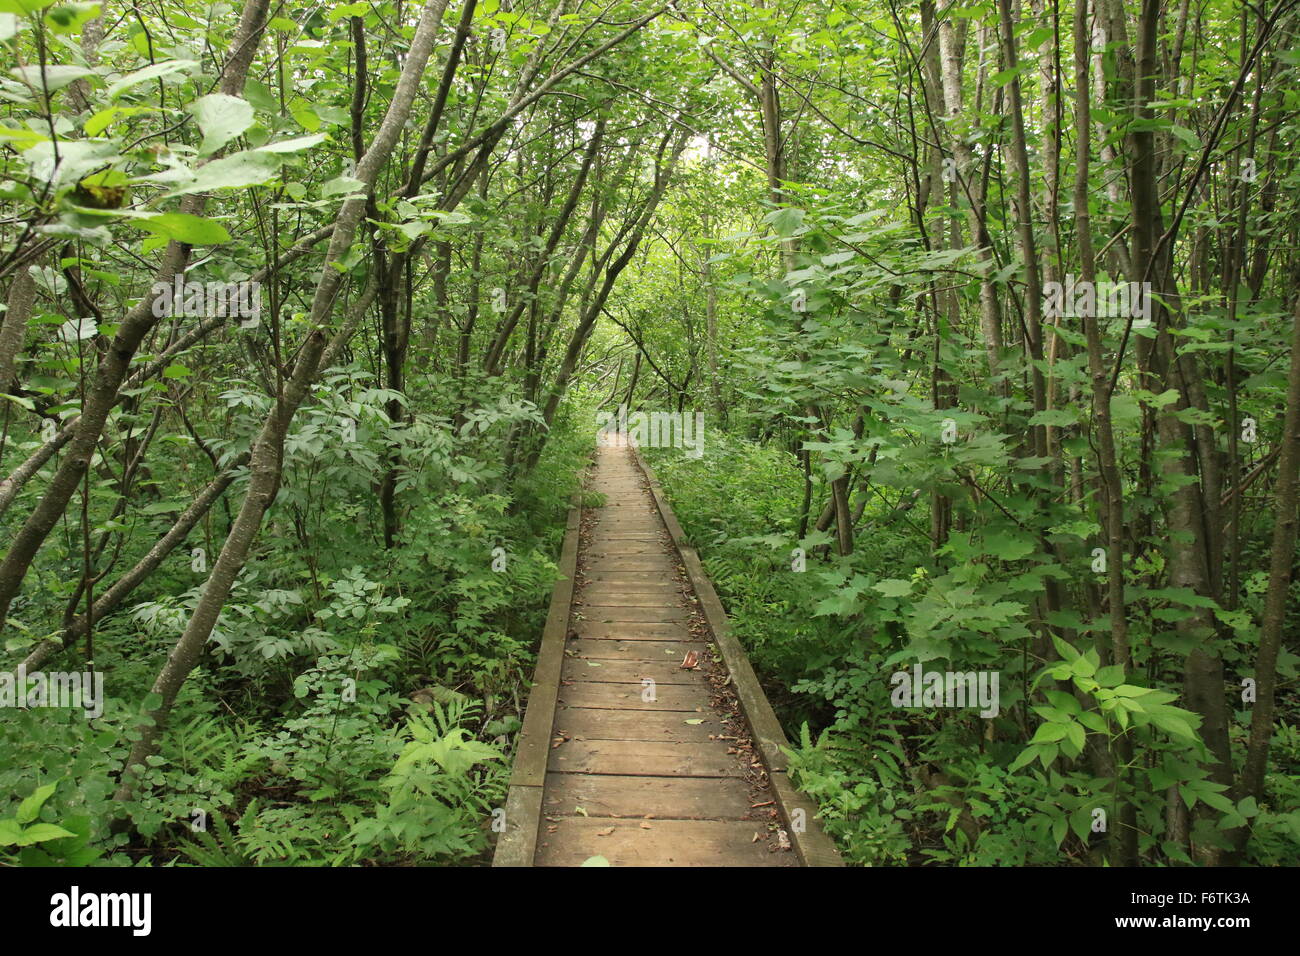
x,y
221,118
182,227
249,168
152,72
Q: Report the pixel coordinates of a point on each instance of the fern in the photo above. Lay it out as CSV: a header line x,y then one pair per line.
x,y
211,851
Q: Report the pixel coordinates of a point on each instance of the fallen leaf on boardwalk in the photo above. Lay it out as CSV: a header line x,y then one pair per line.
x,y
605,832
645,826
695,720
691,659
783,839
755,806
757,837
582,810
595,861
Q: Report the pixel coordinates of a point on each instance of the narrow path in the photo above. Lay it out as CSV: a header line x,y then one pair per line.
x,y
650,762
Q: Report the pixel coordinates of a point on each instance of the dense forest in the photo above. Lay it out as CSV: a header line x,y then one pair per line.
x,y
986,312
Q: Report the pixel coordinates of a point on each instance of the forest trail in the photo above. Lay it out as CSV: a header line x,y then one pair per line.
x,y
648,762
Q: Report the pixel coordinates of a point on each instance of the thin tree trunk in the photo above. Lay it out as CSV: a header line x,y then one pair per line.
x,y
267,456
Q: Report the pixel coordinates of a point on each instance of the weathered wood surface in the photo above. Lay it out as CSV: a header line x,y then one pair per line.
x,y
797,811
647,763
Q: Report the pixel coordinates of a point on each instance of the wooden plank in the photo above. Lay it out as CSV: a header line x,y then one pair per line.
x,y
632,614
647,563
607,650
606,575
651,758
631,630
583,723
615,596
665,671
517,844
601,550
665,843
631,585
663,798
668,697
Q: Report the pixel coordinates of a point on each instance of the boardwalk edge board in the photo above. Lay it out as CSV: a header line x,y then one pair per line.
x,y
523,813
811,844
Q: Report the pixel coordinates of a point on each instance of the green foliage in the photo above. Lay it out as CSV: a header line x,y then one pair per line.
x,y
437,802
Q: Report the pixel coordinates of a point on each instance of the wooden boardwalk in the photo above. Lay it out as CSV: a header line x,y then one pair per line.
x,y
626,754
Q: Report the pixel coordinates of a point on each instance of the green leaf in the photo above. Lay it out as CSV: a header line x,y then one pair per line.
x,y
1111,675
105,118
249,168
1076,736
182,227
50,78
595,861
786,221
221,118
151,72
295,145
41,832
342,185
1055,416
1084,665
1048,733
1009,546
893,587
1093,721
10,831
1081,823
29,808
23,8
1026,757
261,96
